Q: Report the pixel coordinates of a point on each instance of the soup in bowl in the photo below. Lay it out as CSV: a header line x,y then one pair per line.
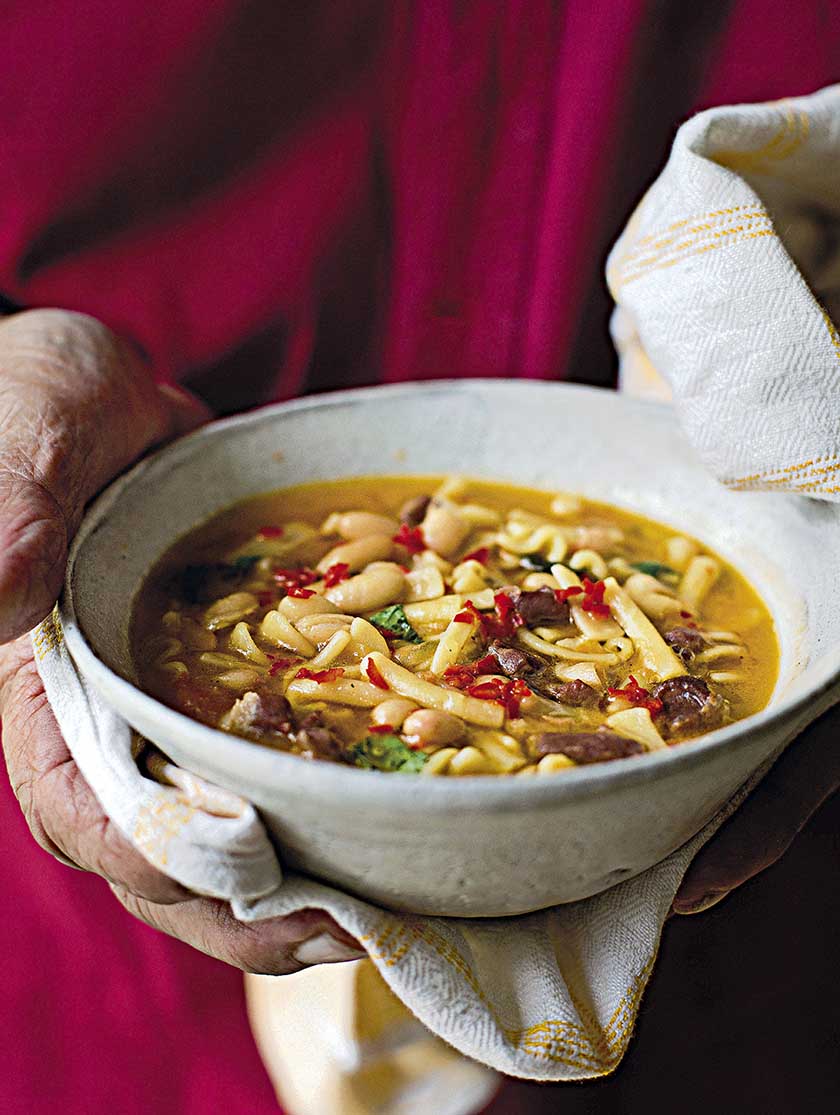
x,y
451,626
530,819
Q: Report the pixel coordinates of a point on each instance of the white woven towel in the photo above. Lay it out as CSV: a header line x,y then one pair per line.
x,y
727,280
549,996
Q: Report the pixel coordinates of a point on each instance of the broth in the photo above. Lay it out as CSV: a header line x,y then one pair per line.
x,y
451,626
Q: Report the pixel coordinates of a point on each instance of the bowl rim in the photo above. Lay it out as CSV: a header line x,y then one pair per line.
x,y
257,762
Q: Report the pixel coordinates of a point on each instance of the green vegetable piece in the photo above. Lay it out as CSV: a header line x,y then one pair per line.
x,y
536,562
656,569
246,562
393,619
387,753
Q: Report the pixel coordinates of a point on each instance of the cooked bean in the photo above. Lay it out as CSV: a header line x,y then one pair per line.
x,y
359,524
392,711
320,628
444,529
383,583
429,727
229,610
295,607
359,553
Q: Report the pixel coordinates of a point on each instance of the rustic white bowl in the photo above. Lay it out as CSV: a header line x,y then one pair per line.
x,y
469,846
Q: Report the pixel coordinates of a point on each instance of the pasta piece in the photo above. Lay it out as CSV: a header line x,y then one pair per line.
x,y
239,680
342,691
656,600
570,654
477,515
416,656
701,574
680,551
488,714
565,577
623,649
720,653
242,640
439,762
444,608
469,576
173,667
725,677
503,751
331,650
229,610
220,661
636,723
547,539
594,627
581,671
469,760
564,505
424,583
451,644
588,561
320,628
655,652
452,487
367,638
551,764
539,580
276,629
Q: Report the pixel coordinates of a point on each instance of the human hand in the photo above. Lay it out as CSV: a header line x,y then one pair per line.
x,y
764,827
77,407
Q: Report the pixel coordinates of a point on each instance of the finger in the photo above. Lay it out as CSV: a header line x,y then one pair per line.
x,y
79,407
60,808
274,947
763,828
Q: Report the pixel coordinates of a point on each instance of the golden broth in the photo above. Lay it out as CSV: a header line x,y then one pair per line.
x,y
239,669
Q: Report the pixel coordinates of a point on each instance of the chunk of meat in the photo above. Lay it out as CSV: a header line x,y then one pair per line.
x,y
259,714
413,511
315,740
539,606
587,747
688,705
685,642
575,693
514,663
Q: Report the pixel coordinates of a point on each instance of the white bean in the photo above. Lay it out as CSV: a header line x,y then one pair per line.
x,y
392,711
229,610
359,553
295,607
430,727
444,529
380,584
359,524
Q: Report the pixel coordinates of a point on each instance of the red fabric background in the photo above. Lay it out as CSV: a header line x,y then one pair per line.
x,y
272,198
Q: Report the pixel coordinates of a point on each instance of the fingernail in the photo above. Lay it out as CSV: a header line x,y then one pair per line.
x,y
325,949
704,903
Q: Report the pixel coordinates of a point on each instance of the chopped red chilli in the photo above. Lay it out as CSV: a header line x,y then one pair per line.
x,y
336,574
271,532
295,578
638,696
410,537
381,729
480,555
279,664
320,675
300,593
375,677
563,594
464,617
508,693
593,598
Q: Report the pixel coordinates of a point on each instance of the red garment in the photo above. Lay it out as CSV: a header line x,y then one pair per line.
x,y
274,198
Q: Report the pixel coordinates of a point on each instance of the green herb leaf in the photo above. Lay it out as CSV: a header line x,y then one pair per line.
x,y
387,753
246,561
656,569
536,562
393,619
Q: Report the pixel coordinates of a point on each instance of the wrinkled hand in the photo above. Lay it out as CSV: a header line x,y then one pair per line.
x,y
764,827
76,408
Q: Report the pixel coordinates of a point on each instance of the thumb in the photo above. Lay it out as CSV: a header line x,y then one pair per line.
x,y
77,406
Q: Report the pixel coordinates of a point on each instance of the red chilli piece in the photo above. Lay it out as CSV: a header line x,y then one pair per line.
x,y
279,664
300,593
271,532
504,623
336,574
381,730
480,555
593,598
508,693
563,594
319,675
638,696
411,538
464,617
459,677
375,677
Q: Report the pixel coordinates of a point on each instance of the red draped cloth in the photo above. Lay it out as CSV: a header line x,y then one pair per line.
x,y
272,198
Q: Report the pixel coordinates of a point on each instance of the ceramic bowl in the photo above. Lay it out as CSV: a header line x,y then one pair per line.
x,y
467,846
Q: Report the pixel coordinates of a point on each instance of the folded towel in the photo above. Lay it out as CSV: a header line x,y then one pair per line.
x,y
727,279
